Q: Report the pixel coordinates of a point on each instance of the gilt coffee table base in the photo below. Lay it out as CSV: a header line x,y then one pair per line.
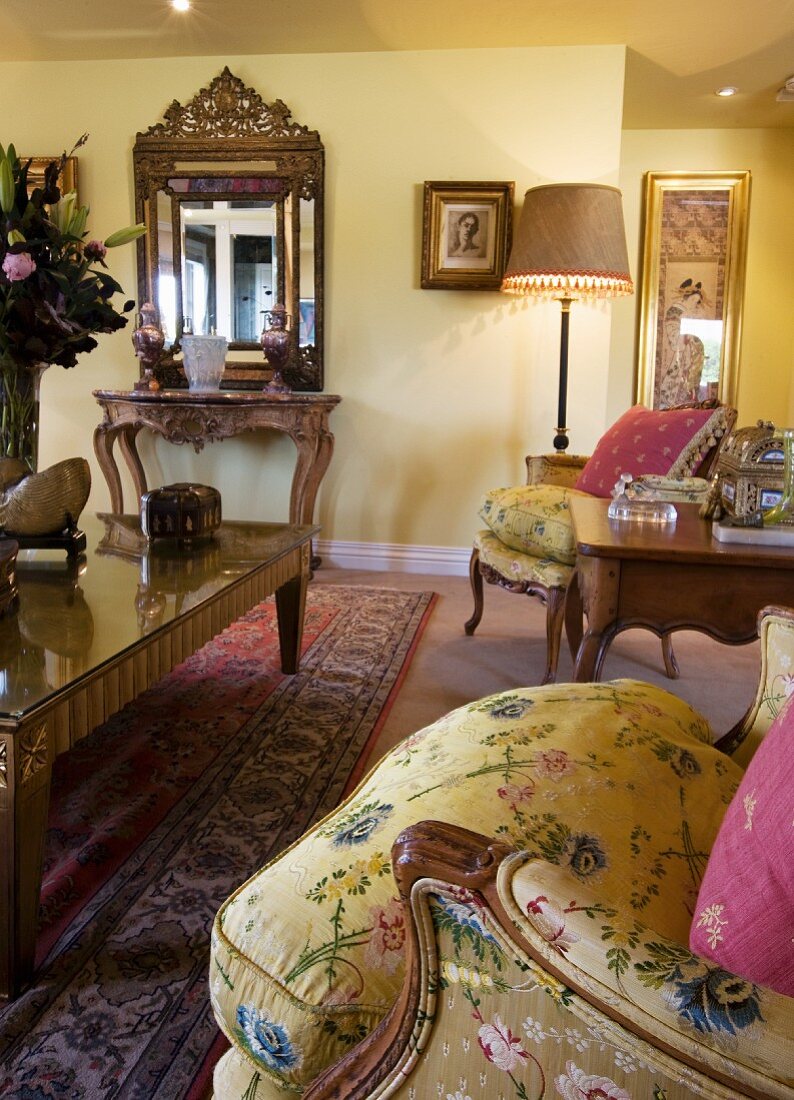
x,y
29,744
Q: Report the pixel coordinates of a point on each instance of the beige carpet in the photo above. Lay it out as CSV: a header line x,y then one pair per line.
x,y
508,650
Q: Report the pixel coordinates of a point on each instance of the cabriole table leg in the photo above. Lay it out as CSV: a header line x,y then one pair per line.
x,y
599,586
104,438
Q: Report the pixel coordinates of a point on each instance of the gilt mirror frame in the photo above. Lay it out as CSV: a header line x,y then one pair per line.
x,y
694,245
225,134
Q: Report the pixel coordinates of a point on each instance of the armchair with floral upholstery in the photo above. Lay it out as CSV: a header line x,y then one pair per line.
x,y
548,953
528,547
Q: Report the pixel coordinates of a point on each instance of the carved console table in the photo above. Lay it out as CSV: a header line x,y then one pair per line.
x,y
197,418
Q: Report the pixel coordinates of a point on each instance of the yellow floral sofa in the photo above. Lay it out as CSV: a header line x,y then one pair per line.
x,y
602,801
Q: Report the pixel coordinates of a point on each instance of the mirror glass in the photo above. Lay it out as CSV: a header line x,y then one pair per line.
x,y
232,231
226,254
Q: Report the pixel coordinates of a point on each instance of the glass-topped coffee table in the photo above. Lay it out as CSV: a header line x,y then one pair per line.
x,y
88,635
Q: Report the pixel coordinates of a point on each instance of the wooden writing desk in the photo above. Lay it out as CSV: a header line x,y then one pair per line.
x,y
665,578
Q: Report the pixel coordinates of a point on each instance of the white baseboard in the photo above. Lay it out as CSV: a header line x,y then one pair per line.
x,y
448,561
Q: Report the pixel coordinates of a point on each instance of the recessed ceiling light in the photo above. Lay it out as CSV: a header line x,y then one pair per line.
x,y
727,91
180,5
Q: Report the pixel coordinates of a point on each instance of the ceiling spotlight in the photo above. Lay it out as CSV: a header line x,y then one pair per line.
x,y
180,5
727,91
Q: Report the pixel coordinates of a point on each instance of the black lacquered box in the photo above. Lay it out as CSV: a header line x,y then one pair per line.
x,y
182,511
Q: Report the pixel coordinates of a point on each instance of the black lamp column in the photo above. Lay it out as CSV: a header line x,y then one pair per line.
x,y
561,438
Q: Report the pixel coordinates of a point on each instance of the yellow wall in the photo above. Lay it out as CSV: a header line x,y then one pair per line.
x,y
443,392
766,360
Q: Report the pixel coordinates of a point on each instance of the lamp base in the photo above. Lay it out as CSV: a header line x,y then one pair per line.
x,y
561,439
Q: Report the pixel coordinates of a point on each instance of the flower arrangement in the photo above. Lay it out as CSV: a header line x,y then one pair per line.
x,y
55,291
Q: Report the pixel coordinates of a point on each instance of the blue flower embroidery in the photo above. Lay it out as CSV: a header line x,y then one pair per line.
x,y
586,855
717,1000
465,916
685,765
268,1042
361,827
510,708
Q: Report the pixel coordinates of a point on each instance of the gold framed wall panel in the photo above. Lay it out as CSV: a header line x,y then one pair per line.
x,y
694,246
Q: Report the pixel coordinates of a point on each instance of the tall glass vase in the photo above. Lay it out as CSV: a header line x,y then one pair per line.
x,y
19,411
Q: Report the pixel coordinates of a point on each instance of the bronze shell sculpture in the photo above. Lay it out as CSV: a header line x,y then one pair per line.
x,y
44,503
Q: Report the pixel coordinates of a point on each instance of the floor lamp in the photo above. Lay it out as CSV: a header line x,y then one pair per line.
x,y
570,244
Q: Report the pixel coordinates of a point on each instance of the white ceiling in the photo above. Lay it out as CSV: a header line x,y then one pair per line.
x,y
679,51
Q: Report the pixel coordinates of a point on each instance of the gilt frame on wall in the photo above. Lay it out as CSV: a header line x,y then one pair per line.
x,y
37,169
466,235
694,244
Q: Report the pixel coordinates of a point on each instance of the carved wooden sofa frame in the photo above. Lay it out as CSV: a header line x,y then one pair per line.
x,y
588,1002
573,995
432,859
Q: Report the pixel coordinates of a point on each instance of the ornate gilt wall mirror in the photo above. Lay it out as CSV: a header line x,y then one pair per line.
x,y
231,192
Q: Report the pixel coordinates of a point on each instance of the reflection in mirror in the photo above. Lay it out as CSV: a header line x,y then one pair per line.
x,y
306,305
231,191
227,256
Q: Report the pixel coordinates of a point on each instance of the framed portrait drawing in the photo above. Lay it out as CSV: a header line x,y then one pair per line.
x,y
694,243
466,235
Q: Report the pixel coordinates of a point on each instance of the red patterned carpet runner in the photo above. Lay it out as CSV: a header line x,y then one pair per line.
x,y
159,814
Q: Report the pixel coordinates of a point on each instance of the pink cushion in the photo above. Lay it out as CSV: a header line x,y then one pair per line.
x,y
672,442
743,918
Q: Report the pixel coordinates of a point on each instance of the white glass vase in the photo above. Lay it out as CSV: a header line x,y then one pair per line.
x,y
204,358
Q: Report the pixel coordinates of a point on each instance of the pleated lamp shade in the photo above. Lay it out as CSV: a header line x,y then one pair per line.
x,y
570,240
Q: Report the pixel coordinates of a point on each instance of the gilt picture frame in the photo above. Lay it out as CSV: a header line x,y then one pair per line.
x,y
38,166
694,245
466,234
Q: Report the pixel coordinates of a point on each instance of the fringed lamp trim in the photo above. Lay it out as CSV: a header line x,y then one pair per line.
x,y
597,284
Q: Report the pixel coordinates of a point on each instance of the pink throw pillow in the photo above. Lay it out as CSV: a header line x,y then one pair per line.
x,y
744,918
671,442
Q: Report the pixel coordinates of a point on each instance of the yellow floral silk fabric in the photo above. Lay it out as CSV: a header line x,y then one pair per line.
x,y
307,956
533,519
687,490
521,568
775,688
494,1021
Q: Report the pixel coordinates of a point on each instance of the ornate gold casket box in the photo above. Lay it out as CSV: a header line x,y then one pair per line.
x,y
181,511
750,470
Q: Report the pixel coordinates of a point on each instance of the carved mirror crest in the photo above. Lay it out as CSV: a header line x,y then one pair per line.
x,y
231,191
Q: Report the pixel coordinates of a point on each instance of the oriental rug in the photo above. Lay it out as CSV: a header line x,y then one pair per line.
x,y
162,811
